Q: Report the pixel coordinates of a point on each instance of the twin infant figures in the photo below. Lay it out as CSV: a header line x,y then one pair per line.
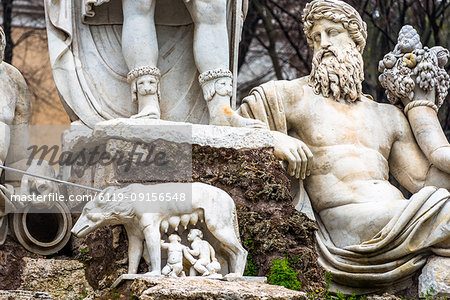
x,y
206,264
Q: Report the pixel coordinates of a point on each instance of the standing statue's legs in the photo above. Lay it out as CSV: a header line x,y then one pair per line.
x,y
140,50
211,54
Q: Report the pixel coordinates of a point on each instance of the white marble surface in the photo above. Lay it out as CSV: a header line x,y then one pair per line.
x,y
183,39
415,77
342,145
205,207
147,130
14,135
435,277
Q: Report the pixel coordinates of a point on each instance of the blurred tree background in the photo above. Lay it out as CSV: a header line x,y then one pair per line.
x,y
273,33
26,48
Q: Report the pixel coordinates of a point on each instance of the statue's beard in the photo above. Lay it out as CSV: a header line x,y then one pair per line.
x,y
339,75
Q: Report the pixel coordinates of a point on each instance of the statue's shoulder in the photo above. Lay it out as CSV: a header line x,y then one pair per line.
x,y
301,82
391,115
384,108
15,85
14,88
13,75
287,90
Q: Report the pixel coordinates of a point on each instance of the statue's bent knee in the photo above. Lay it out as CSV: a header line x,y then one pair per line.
x,y
140,6
210,11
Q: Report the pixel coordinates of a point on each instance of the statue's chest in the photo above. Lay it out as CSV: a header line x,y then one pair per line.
x,y
326,123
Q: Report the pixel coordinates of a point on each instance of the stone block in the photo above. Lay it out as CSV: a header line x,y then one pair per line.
x,y
435,277
203,288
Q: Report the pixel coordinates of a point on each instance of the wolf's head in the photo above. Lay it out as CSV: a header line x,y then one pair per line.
x,y
103,211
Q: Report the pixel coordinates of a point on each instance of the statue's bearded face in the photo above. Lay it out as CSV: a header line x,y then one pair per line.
x,y
337,66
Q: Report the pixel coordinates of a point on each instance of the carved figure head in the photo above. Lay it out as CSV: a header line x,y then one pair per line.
x,y
2,44
224,86
193,234
103,211
338,12
337,34
174,238
337,66
147,85
31,185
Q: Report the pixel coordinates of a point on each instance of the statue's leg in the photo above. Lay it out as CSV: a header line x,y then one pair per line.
x,y
212,55
199,266
140,51
166,270
135,248
153,242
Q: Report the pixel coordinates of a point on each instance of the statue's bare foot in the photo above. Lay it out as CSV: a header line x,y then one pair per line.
x,y
146,114
149,109
153,273
217,92
228,117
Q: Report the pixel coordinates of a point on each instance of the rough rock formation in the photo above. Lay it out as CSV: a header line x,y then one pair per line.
x,y
204,289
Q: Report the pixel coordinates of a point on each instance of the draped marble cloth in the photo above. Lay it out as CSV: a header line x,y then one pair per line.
x,y
399,249
89,70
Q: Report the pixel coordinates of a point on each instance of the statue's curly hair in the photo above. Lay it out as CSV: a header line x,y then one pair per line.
x,y
338,12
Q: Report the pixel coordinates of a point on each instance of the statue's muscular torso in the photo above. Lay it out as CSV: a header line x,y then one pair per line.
x,y
351,144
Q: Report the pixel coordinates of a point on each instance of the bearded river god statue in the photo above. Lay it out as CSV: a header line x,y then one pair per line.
x,y
342,146
123,58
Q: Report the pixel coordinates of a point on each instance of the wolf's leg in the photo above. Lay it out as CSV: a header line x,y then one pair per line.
x,y
135,247
231,244
153,242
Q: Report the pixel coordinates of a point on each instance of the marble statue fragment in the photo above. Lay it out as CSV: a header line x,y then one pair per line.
x,y
14,153
174,266
210,206
341,146
206,264
152,59
415,78
14,120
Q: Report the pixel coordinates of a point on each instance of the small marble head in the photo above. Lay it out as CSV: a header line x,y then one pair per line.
x,y
194,233
339,12
174,238
147,85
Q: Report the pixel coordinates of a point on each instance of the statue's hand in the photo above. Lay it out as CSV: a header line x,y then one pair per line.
x,y
295,152
421,94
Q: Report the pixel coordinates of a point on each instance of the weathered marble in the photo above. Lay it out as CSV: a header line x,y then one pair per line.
x,y
139,59
193,288
435,277
342,146
14,136
415,78
62,279
197,204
